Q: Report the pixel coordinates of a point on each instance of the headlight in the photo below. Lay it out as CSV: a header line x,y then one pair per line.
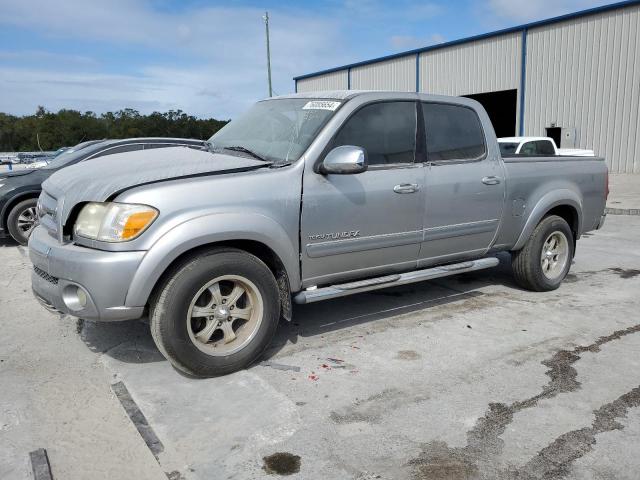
x,y
113,222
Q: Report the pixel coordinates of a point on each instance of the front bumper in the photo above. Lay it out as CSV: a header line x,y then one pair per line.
x,y
601,222
59,271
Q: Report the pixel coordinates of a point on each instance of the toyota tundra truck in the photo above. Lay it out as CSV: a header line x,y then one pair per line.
x,y
305,197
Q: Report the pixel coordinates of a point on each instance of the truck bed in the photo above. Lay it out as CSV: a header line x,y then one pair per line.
x,y
535,180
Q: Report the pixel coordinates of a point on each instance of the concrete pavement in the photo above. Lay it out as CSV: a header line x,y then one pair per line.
x,y
624,195
55,394
461,378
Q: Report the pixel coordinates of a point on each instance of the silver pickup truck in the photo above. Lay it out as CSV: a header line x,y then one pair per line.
x,y
303,198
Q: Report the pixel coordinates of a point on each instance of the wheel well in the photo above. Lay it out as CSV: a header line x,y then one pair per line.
x,y
260,250
13,202
570,215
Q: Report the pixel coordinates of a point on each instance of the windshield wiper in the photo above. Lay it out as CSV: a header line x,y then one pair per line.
x,y
240,148
209,147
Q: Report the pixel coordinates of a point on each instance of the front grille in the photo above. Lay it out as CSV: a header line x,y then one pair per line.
x,y
48,213
42,274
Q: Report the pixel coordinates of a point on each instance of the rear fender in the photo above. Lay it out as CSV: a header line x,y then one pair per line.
x,y
549,201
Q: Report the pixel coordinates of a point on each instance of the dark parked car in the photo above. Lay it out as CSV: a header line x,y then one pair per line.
x,y
19,190
75,148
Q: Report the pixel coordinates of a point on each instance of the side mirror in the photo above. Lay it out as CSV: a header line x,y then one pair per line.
x,y
345,159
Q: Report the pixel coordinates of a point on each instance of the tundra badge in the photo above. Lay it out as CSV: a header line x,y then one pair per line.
x,y
335,235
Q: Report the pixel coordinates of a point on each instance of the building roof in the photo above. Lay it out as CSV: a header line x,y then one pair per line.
x,y
518,28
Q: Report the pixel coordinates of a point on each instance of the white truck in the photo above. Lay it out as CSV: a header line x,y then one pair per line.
x,y
538,146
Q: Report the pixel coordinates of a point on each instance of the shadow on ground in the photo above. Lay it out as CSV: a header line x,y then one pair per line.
x,y
131,341
7,242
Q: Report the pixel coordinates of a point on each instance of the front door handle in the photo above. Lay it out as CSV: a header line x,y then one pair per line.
x,y
406,188
491,180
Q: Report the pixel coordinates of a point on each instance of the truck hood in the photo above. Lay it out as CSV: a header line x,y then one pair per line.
x,y
100,179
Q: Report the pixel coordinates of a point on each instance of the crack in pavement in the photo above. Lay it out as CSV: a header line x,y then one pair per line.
x,y
477,458
554,460
624,273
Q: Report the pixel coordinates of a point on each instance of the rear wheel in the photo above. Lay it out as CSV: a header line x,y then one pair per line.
x,y
216,313
22,219
545,259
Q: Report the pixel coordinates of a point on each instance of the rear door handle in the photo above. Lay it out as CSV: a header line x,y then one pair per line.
x,y
406,188
491,180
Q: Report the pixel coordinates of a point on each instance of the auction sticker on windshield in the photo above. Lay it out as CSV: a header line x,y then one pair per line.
x,y
321,105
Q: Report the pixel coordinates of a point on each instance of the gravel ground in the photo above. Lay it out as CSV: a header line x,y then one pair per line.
x,y
461,378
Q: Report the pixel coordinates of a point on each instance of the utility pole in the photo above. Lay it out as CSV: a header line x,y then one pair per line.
x,y
266,26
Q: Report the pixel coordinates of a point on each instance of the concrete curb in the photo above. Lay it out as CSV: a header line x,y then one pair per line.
x,y
622,211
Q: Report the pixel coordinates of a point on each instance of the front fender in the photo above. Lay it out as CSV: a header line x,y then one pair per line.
x,y
548,201
9,202
208,229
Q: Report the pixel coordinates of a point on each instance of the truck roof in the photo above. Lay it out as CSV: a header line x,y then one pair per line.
x,y
382,94
327,94
520,139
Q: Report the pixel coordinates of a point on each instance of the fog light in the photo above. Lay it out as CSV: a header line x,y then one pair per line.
x,y
74,297
82,297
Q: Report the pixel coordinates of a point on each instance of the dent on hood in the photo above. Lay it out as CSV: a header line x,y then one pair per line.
x,y
99,179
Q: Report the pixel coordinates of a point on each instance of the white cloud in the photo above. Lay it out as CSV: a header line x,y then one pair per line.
x,y
201,91
219,53
44,57
408,42
527,10
400,10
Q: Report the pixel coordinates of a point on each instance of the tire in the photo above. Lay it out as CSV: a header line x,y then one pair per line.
x,y
203,345
22,219
529,267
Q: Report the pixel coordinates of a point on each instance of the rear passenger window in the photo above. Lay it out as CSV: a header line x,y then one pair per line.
x,y
529,148
453,132
149,146
387,131
544,147
120,149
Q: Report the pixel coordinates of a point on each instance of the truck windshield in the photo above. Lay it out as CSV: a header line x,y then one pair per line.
x,y
508,148
278,130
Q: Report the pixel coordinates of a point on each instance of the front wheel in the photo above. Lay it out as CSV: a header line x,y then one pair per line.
x,y
545,259
22,219
216,313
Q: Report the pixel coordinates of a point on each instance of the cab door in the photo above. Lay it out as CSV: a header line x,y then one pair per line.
x,y
464,182
370,223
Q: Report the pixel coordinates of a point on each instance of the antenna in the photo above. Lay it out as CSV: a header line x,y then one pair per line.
x,y
265,17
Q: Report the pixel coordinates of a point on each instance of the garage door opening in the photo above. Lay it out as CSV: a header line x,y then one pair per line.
x,y
556,134
501,108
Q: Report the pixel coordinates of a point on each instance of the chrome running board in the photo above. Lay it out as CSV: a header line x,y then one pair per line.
x,y
344,289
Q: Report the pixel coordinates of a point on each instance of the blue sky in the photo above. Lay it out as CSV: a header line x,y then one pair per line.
x,y
207,57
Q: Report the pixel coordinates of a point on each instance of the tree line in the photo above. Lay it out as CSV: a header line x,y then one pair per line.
x,y
50,130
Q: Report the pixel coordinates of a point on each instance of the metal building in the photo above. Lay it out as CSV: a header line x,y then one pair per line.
x,y
575,78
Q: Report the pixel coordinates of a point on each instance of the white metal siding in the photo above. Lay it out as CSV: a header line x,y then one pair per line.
x,y
487,65
585,74
582,73
398,74
329,81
